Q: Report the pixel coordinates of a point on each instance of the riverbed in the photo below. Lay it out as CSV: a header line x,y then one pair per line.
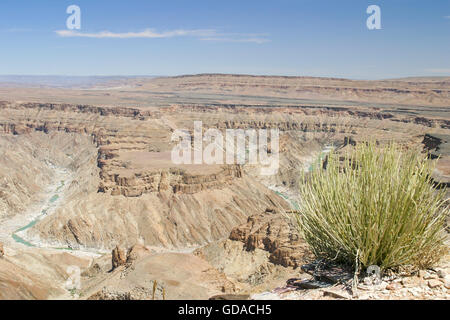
x,y
291,196
9,227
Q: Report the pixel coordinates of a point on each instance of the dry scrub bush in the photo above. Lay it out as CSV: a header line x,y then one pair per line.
x,y
377,206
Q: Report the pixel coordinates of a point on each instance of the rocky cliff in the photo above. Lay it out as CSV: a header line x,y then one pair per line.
x,y
125,187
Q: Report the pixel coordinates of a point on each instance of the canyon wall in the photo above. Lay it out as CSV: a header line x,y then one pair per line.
x,y
126,188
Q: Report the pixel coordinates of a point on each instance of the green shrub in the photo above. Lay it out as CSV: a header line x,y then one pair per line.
x,y
374,206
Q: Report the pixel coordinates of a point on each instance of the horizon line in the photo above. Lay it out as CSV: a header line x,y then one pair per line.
x,y
221,74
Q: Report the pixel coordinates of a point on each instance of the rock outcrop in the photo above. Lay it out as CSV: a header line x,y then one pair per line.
x,y
257,253
119,257
275,233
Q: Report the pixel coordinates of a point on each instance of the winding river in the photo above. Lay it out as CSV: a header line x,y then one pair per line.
x,y
20,237
44,212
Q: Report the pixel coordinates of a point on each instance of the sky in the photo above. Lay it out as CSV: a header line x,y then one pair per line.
x,y
277,37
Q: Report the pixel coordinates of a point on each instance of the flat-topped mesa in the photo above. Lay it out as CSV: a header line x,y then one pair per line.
x,y
394,91
306,110
173,180
102,111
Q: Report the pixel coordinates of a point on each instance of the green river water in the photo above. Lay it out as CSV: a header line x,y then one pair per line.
x,y
38,218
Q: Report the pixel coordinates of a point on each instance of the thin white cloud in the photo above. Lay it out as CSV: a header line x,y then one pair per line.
x,y
447,17
148,33
438,70
201,34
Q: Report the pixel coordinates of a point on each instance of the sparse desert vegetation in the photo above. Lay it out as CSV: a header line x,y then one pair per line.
x,y
375,205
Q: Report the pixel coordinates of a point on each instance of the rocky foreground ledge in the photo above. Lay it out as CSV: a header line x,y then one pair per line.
x,y
337,283
261,260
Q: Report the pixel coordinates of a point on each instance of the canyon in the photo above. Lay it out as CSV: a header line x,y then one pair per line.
x,y
87,171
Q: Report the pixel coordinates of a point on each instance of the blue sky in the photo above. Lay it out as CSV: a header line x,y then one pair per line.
x,y
303,37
